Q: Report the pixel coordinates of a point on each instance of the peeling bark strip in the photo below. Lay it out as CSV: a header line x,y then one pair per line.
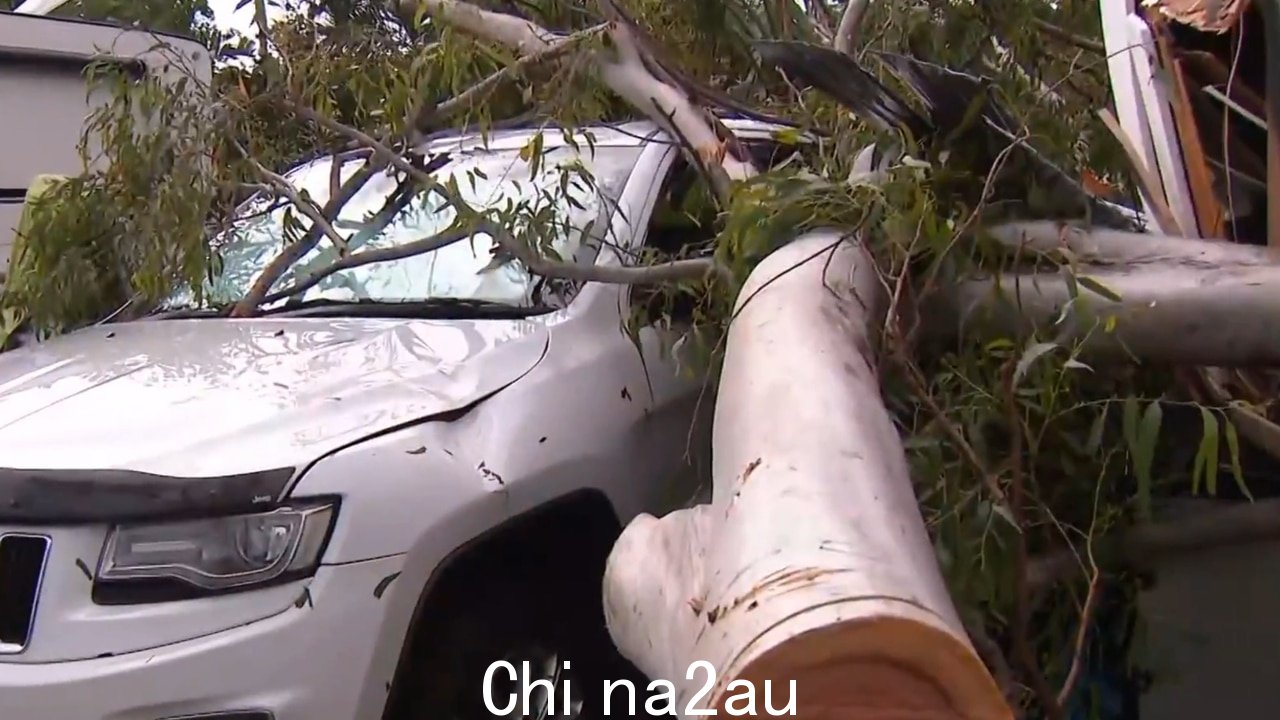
x,y
819,569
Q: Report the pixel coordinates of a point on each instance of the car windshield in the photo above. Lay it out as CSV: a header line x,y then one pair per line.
x,y
563,200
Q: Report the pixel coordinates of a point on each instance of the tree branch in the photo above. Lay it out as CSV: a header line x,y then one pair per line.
x,y
281,185
380,149
675,270
1227,317
650,274
368,257
846,39
427,117
1103,246
626,73
1084,43
517,33
247,306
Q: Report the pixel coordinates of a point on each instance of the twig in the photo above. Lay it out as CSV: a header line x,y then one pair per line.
x,y
281,185
850,23
368,257
1084,43
1082,634
921,388
1022,594
1090,604
818,11
335,175
427,116
248,305
380,149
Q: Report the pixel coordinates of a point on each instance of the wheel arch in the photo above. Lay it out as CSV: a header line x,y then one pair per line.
x,y
555,521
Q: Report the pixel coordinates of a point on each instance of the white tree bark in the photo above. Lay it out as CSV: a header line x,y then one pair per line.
x,y
622,70
846,39
1181,300
812,563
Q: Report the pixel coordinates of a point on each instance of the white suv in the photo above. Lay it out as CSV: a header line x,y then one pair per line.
x,y
353,504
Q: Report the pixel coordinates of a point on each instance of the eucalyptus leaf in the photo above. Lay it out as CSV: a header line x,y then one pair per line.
x,y
1148,432
1029,356
1096,285
1233,451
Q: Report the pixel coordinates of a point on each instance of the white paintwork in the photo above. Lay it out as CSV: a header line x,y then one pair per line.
x,y
71,627
212,397
304,663
812,558
202,396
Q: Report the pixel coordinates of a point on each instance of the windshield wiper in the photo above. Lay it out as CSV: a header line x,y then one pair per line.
x,y
189,312
434,308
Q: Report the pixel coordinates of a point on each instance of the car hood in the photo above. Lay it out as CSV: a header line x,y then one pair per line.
x,y
212,397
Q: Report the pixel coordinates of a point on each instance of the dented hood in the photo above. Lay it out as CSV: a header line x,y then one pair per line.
x,y
211,397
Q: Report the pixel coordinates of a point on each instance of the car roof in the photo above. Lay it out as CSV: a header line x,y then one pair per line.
x,y
633,133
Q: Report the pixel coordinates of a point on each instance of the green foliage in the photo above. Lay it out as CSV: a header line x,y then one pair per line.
x,y
192,18
773,207
130,230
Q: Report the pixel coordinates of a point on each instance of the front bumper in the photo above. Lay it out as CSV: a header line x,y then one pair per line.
x,y
310,662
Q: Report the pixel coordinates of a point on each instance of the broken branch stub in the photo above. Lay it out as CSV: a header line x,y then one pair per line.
x,y
812,562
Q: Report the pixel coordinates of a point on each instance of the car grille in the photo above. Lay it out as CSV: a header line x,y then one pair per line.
x,y
22,560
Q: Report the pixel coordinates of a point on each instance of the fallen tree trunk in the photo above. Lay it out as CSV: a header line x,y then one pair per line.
x,y
1220,524
812,563
1153,298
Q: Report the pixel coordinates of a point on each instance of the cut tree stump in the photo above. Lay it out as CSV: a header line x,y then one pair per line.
x,y
812,563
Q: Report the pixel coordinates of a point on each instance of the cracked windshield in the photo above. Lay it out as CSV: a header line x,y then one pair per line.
x,y
566,194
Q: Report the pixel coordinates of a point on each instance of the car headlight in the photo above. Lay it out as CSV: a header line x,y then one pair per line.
x,y
152,561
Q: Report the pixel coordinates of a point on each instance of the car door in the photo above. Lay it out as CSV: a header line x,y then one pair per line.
x,y
676,391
